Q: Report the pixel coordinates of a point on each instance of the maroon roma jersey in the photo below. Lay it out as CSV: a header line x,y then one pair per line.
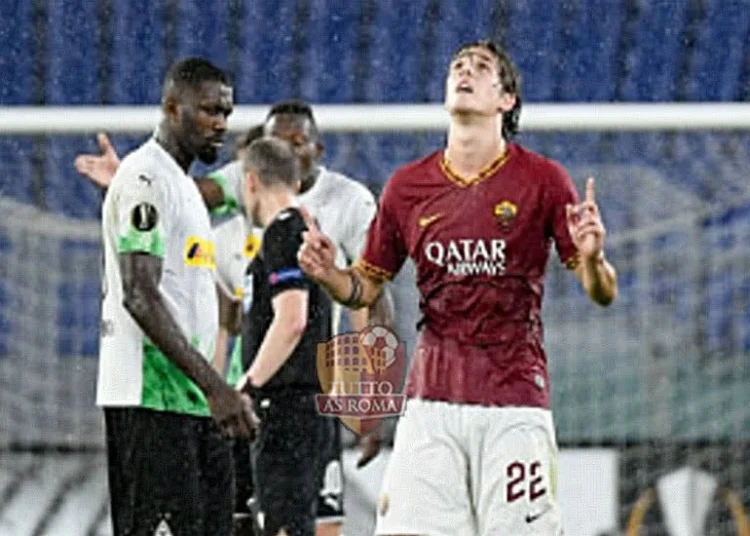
x,y
481,248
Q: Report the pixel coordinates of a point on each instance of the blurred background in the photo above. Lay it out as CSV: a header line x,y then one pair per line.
x,y
651,396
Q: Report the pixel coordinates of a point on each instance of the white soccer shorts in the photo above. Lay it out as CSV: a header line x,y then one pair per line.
x,y
461,470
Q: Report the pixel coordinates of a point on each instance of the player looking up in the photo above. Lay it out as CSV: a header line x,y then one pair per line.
x,y
475,451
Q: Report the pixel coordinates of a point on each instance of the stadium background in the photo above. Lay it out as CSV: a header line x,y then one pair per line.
x,y
655,384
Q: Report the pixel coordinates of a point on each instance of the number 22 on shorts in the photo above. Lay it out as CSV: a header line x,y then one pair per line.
x,y
524,479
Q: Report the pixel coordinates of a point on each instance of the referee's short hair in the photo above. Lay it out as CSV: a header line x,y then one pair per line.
x,y
273,161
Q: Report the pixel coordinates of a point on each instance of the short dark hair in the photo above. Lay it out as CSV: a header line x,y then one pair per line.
x,y
294,107
273,160
190,73
510,79
243,140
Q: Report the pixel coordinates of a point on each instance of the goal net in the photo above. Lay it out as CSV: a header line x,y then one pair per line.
x,y
660,380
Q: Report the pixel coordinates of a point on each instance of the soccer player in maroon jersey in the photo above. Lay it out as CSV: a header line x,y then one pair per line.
x,y
475,451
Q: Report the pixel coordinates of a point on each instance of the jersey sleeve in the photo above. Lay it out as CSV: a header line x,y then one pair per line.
x,y
562,192
385,246
229,179
360,213
281,242
142,214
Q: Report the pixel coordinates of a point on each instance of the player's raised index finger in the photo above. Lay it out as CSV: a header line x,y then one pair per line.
x,y
590,190
104,143
309,220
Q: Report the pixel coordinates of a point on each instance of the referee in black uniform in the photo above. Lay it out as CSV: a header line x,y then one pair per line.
x,y
285,317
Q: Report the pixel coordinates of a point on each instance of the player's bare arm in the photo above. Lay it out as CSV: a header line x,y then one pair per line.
x,y
380,313
230,324
141,274
587,231
353,288
230,313
220,352
358,318
383,311
211,192
100,169
288,325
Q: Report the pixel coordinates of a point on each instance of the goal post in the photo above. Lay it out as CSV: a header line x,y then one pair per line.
x,y
661,378
593,117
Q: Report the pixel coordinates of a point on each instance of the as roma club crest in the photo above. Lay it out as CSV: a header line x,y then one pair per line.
x,y
505,214
361,375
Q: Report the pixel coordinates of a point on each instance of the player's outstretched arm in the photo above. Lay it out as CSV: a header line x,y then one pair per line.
x,y
383,311
380,313
230,324
100,169
141,274
358,318
317,258
211,192
587,231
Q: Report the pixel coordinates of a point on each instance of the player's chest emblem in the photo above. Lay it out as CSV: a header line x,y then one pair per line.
x,y
505,213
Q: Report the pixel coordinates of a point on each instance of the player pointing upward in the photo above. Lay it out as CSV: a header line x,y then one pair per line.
x,y
475,450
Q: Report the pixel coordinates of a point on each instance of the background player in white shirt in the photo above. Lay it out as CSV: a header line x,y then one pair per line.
x,y
159,322
237,243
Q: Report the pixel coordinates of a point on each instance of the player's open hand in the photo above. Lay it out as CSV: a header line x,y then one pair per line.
x,y
99,169
585,225
317,255
233,413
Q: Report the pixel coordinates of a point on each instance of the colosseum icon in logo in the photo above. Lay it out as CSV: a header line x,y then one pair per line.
x,y
361,375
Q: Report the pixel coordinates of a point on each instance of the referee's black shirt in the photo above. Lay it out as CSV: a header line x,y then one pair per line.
x,y
274,270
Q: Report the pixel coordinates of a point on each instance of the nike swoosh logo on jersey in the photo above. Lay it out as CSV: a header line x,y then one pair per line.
x,y
427,220
530,518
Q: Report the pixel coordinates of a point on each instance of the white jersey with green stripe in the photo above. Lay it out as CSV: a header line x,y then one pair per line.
x,y
229,178
153,207
237,243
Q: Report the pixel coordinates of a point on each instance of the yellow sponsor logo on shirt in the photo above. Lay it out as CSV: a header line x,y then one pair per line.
x,y
252,246
200,252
